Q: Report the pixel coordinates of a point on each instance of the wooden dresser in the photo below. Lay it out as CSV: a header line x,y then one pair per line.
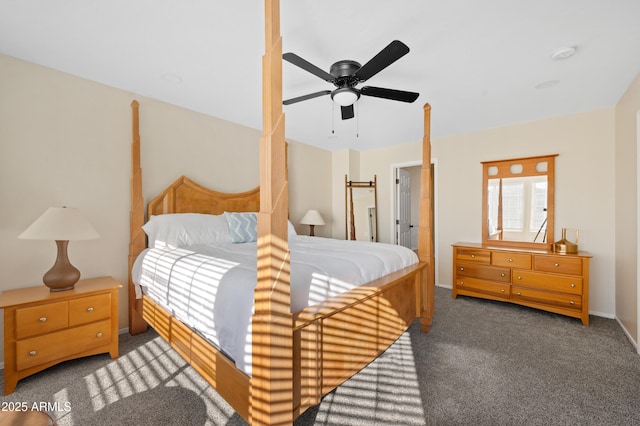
x,y
43,328
539,279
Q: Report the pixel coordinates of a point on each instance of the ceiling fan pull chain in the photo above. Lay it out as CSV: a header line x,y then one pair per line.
x,y
333,118
357,121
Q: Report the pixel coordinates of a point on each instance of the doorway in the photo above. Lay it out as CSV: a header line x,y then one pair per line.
x,y
406,201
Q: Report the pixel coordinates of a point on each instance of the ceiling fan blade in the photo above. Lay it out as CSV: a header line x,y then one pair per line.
x,y
394,51
308,66
394,95
305,97
347,112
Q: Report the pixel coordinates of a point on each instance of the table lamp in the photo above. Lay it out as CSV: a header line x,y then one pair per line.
x,y
312,218
60,224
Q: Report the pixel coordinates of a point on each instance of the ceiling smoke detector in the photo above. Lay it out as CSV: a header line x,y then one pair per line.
x,y
563,52
547,84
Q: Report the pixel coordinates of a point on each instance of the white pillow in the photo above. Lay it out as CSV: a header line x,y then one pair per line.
x,y
292,229
178,230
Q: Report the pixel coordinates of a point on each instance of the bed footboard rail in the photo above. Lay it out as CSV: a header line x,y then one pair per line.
x,y
339,337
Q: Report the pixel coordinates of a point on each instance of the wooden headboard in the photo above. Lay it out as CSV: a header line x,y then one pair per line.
x,y
186,196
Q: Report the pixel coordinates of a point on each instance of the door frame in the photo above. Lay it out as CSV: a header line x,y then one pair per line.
x,y
638,232
394,203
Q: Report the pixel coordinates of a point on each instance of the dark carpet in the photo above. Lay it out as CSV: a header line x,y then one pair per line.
x,y
483,363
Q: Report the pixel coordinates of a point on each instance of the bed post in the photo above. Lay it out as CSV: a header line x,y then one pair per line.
x,y
425,229
136,220
271,393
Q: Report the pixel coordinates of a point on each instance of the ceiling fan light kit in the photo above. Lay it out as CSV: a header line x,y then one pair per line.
x,y
347,74
345,96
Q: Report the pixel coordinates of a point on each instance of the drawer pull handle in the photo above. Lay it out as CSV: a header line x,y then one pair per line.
x,y
510,260
43,319
573,285
572,302
32,353
518,293
502,290
519,277
556,265
461,268
99,334
461,282
89,309
502,274
473,256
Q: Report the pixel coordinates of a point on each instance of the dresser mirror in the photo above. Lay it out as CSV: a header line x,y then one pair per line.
x,y
361,201
517,202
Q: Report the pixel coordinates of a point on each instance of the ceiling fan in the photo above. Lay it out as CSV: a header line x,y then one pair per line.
x,y
345,75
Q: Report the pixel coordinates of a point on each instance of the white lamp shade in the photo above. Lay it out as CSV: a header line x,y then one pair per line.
x,y
344,96
312,217
60,224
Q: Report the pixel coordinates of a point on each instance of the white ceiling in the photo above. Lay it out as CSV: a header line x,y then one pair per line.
x,y
476,62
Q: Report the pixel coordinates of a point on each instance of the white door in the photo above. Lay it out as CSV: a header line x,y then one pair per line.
x,y
403,215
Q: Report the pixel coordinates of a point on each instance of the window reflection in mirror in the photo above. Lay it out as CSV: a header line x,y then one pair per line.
x,y
524,209
518,202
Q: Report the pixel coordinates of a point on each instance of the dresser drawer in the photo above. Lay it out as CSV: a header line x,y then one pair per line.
x,y
41,319
492,273
562,283
511,260
558,264
50,347
474,255
475,285
89,309
567,301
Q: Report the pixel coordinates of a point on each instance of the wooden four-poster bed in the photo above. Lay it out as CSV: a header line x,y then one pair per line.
x,y
297,357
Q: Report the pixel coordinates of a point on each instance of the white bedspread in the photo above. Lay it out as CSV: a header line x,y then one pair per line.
x,y
210,288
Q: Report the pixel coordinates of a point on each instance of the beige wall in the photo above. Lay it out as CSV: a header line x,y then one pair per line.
x,y
66,141
310,186
626,230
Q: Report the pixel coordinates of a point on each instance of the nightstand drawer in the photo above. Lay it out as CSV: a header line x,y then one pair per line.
x,y
43,328
89,309
53,346
41,319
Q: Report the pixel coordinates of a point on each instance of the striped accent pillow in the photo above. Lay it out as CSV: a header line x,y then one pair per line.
x,y
243,227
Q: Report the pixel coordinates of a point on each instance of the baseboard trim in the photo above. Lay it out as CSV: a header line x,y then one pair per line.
x,y
629,336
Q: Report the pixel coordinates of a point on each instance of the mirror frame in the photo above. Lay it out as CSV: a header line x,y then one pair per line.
x,y
349,225
528,169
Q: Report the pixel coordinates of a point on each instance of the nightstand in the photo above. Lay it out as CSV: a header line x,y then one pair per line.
x,y
43,328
